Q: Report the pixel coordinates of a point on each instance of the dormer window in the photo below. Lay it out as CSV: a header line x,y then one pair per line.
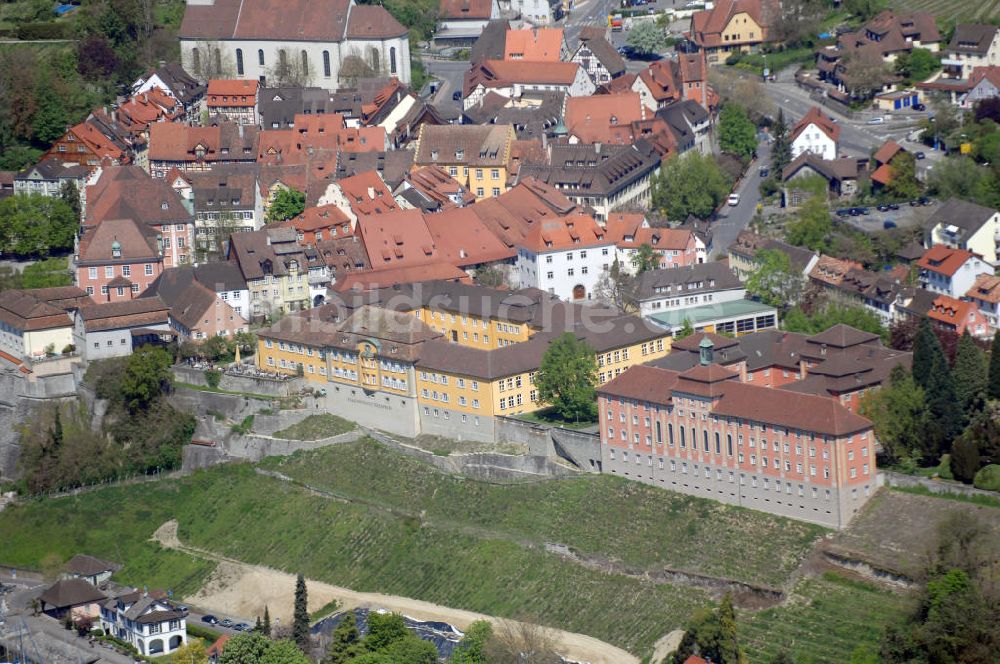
x,y
459,154
434,155
164,205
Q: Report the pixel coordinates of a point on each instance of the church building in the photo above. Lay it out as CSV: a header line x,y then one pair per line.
x,y
323,43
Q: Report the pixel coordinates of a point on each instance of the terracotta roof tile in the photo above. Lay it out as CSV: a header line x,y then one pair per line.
x,y
299,20
537,44
943,259
603,118
821,120
466,9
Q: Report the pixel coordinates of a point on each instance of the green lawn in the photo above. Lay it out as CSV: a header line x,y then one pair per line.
x,y
549,416
823,622
315,427
953,11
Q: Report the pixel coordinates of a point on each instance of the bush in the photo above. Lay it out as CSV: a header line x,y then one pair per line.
x,y
243,427
200,632
44,30
213,377
68,349
988,478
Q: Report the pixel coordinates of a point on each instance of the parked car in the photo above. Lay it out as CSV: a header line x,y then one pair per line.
x,y
866,211
855,212
734,200
893,206
919,107
923,200
887,224
844,212
456,95
242,627
877,120
226,623
211,620
764,171
884,207
914,203
920,155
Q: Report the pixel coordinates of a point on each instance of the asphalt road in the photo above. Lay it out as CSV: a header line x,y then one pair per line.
x,y
732,220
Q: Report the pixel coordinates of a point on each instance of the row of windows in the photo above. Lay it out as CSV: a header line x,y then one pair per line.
x,y
109,271
446,415
374,61
619,355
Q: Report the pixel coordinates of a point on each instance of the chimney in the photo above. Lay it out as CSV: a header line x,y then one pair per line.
x,y
371,192
597,148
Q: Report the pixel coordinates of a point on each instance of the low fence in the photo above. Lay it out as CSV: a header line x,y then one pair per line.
x,y
935,486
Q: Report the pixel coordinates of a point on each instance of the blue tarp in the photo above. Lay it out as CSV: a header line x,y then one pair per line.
x,y
63,9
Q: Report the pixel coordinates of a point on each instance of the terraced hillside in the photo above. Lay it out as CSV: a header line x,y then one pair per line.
x,y
955,11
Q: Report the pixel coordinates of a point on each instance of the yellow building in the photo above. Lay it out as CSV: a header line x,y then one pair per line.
x,y
731,26
419,368
477,156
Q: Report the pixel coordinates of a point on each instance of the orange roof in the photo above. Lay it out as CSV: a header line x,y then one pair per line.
x,y
603,118
501,73
948,310
463,239
661,80
882,174
318,218
986,288
397,239
943,259
888,150
216,648
540,44
435,183
367,194
823,121
574,231
97,142
232,92
990,73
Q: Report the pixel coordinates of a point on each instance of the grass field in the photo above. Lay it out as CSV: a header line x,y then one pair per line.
x,y
315,427
953,11
479,546
823,622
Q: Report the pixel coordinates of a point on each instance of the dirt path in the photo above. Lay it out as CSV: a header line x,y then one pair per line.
x,y
238,589
666,645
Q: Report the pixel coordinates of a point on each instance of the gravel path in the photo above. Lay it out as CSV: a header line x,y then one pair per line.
x,y
241,590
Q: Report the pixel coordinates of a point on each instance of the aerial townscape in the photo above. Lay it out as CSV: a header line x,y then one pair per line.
x,y
500,332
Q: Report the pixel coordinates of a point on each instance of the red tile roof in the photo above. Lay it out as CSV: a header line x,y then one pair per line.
x,y
888,150
953,312
319,218
465,9
882,175
367,194
539,44
661,80
943,259
435,183
464,240
603,118
823,121
371,279
397,239
986,288
137,242
501,74
373,22
99,144
299,20
574,231
707,25
232,92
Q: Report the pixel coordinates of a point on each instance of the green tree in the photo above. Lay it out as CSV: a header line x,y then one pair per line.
x,y
284,652
781,148
993,385
774,282
826,316
812,225
300,618
287,203
783,657
646,37
737,134
686,330
926,353
917,65
383,630
470,649
50,119
689,184
965,460
864,9
265,627
409,649
645,258
970,377
567,378
35,225
70,195
904,183
712,635
146,377
345,643
728,648
957,177
898,413
932,373
246,648
192,652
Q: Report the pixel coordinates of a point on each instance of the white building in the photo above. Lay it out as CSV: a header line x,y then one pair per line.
x,y
963,225
971,46
153,626
113,329
293,42
950,271
512,78
817,133
565,256
681,288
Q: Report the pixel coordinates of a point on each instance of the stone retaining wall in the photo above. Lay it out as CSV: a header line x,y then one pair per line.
x,y
274,388
934,486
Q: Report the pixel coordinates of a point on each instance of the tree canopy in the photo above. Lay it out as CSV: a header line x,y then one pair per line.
x,y
645,258
287,203
825,317
898,413
812,225
646,37
567,378
689,184
737,134
36,225
774,282
147,376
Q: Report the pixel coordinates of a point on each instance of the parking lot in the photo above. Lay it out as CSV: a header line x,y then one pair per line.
x,y
906,216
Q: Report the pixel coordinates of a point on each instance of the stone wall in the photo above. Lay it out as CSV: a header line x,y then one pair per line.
x,y
265,386
254,447
395,414
579,448
231,406
935,486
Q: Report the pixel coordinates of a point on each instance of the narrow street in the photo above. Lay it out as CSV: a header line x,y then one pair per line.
x,y
732,220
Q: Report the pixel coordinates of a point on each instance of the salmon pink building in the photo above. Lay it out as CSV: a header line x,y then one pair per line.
x,y
705,433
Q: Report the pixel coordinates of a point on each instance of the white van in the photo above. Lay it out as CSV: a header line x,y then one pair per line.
x,y
734,200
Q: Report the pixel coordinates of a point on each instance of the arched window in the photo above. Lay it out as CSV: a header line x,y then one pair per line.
x,y
670,433
704,439
283,61
694,439
218,61
305,64
392,60
374,60
326,64
729,444
239,62
196,59
718,443
683,441
260,57
659,432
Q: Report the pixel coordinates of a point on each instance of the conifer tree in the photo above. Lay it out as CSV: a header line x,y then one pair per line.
x,y
993,388
300,619
266,627
970,376
925,348
344,643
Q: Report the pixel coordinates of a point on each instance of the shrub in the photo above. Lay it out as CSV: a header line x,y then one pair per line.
x,y
45,30
68,349
988,478
244,426
210,636
213,377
